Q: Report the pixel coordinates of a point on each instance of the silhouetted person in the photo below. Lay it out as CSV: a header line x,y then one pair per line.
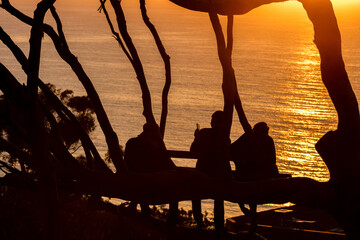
x,y
254,154
205,148
146,153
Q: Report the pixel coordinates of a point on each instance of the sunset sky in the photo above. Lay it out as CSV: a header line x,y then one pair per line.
x,y
344,8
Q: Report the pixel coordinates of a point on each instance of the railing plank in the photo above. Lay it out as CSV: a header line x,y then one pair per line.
x,y
181,154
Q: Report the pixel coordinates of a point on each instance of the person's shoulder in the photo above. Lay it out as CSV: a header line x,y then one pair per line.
x,y
269,138
205,132
133,141
242,138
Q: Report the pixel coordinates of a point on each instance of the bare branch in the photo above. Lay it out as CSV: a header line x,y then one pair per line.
x,y
62,111
67,56
228,7
230,38
59,26
115,34
224,53
166,60
35,45
120,17
111,137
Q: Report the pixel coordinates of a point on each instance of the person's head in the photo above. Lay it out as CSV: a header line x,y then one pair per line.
x,y
217,119
261,128
150,130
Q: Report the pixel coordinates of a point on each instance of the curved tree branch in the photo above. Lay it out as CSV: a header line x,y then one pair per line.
x,y
63,112
224,53
111,137
334,75
166,60
228,73
223,7
339,149
237,102
120,17
230,37
116,34
64,52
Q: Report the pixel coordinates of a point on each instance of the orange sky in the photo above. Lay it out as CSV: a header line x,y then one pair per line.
x,y
348,4
337,3
345,2
344,9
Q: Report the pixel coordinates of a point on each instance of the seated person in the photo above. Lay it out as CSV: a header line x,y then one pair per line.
x,y
147,153
254,154
210,163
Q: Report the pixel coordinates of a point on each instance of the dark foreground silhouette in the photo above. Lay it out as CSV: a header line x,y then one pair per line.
x,y
210,163
254,154
146,153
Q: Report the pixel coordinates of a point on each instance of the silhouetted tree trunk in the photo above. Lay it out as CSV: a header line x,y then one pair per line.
x,y
166,60
237,102
130,51
111,137
224,53
339,149
121,22
65,114
46,175
64,52
228,7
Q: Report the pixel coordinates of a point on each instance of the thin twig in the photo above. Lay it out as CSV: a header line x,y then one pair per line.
x,y
115,34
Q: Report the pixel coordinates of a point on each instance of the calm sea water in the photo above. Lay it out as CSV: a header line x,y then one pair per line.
x,y
276,64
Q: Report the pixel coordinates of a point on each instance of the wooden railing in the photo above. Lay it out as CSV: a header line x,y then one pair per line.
x,y
189,155
250,212
181,154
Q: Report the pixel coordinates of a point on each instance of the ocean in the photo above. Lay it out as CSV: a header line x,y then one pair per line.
x,y
274,58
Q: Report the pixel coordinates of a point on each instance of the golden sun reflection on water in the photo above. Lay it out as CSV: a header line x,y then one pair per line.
x,y
308,114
